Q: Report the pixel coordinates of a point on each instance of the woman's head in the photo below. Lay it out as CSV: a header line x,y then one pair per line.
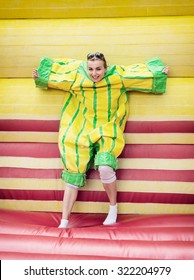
x,y
96,66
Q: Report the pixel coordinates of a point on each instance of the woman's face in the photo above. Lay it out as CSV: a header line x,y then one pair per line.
x,y
96,70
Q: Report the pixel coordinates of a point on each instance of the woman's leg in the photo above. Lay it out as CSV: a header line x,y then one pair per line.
x,y
112,195
111,190
69,199
108,178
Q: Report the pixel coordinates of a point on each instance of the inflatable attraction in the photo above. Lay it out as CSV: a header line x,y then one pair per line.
x,y
155,174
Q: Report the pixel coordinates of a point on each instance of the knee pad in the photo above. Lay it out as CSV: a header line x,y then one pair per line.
x,y
107,174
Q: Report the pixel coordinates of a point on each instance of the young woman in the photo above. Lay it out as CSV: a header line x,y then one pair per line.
x,y
93,117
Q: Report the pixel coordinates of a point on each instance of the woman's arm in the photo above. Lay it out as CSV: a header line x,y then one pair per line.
x,y
150,76
56,73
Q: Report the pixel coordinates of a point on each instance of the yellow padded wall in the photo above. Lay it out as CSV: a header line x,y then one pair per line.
x,y
122,40
92,8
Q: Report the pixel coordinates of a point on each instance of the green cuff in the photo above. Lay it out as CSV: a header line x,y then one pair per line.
x,y
77,179
156,66
44,70
104,158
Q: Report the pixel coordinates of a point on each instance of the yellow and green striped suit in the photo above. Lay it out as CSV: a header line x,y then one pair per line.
x,y
94,114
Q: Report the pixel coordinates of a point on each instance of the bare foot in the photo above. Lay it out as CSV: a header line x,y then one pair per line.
x,y
165,71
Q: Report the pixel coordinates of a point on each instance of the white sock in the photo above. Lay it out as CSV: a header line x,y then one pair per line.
x,y
112,215
63,223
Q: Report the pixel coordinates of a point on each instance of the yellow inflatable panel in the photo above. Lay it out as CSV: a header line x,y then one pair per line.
x,y
91,8
123,41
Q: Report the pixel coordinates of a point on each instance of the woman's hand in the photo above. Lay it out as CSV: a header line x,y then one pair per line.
x,y
166,70
35,74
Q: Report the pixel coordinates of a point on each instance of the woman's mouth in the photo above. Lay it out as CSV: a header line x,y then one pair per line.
x,y
95,78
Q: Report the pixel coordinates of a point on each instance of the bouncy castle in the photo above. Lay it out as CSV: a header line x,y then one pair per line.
x,y
155,175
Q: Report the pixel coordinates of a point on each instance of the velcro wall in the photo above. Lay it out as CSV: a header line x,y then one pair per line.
x,y
156,167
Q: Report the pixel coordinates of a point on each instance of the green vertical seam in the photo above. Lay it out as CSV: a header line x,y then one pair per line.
x,y
63,110
95,107
126,110
114,137
81,130
65,106
90,152
64,136
101,134
109,98
77,140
